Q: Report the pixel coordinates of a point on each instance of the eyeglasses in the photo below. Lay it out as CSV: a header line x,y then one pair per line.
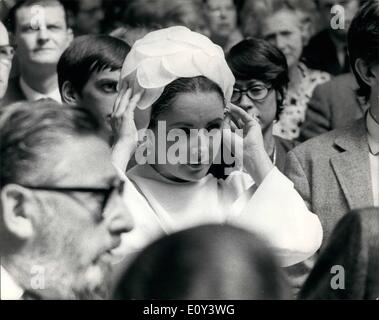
x,y
255,93
106,193
7,52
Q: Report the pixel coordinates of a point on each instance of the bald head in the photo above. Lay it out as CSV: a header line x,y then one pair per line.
x,y
5,60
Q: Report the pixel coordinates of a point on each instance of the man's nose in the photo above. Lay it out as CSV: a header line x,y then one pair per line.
x,y
43,35
223,13
279,42
120,219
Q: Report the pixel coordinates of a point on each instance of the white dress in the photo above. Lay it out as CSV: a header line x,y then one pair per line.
x,y
275,210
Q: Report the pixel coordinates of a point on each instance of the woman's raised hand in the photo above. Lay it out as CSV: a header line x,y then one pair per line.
x,y
246,140
123,126
122,118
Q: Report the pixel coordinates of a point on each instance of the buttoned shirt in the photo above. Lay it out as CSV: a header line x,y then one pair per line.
x,y
33,95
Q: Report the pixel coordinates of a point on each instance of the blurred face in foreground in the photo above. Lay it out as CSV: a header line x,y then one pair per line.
x,y
73,230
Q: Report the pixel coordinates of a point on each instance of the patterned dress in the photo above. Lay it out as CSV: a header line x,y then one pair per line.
x,y
296,103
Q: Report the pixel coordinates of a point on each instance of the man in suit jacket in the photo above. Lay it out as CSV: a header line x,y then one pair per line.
x,y
41,35
339,171
333,105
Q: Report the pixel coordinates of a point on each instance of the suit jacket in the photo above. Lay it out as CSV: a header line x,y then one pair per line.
x,y
282,148
14,93
334,104
332,174
321,54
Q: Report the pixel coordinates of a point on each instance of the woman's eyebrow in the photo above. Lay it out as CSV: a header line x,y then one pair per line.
x,y
249,84
217,120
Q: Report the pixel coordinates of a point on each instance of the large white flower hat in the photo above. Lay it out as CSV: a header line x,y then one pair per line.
x,y
165,55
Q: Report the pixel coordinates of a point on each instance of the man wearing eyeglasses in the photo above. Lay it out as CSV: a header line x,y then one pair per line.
x,y
61,210
6,56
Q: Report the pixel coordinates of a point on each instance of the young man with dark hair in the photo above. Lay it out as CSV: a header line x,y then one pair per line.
x,y
339,171
89,70
41,35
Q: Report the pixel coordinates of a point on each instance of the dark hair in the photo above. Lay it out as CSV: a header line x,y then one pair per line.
x,y
353,246
29,129
87,54
72,6
258,59
155,14
206,262
130,34
178,86
10,21
363,41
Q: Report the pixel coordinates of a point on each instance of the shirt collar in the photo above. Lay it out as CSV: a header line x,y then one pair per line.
x,y
32,95
10,290
373,134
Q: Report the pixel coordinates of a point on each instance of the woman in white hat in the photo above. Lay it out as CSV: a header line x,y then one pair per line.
x,y
182,87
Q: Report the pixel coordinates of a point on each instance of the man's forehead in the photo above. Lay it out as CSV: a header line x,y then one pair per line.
x,y
38,13
84,161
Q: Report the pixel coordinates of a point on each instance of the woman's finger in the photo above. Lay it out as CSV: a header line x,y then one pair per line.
x,y
120,89
133,104
123,102
240,113
236,120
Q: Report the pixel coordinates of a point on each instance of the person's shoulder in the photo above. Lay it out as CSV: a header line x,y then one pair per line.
x,y
324,144
286,144
339,85
14,92
346,79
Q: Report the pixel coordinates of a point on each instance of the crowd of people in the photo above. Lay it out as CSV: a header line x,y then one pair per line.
x,y
189,149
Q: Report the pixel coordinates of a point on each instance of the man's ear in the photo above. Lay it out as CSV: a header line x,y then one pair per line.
x,y
69,94
18,207
365,72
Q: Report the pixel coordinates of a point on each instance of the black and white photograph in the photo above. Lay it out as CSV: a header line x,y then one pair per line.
x,y
198,151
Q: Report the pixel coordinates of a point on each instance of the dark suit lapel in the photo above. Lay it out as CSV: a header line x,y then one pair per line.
x,y
352,166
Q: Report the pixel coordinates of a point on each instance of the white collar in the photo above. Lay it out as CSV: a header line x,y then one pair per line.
x,y
32,95
10,290
373,134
